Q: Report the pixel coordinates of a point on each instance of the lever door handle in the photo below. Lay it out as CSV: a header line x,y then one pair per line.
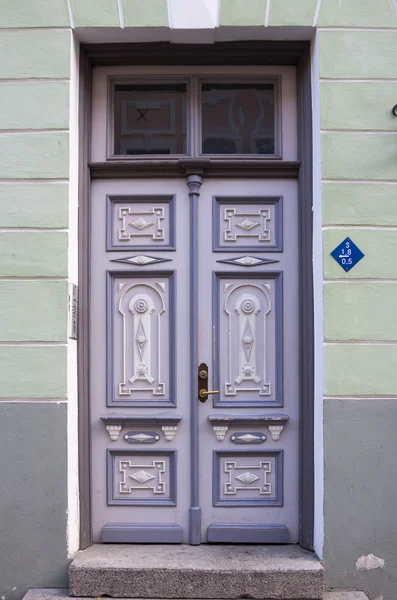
x,y
202,383
205,393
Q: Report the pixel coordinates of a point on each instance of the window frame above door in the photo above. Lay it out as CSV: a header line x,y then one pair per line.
x,y
283,77
193,116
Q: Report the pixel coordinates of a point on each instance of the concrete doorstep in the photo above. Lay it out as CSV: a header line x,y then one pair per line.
x,y
62,594
195,572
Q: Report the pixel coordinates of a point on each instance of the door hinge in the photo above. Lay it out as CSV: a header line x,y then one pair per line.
x,y
73,310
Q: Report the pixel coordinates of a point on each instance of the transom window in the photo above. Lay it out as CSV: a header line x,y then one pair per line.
x,y
194,117
150,119
237,118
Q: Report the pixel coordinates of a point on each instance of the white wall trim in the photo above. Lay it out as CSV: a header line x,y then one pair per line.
x,y
71,16
73,528
318,541
317,13
121,13
267,15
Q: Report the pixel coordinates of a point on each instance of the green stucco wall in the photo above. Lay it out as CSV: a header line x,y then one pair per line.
x,y
359,196
34,191
357,43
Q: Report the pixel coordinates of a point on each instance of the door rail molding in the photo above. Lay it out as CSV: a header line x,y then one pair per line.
x,y
115,422
145,420
221,423
231,420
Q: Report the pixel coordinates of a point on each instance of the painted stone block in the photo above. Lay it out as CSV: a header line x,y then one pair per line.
x,y
35,54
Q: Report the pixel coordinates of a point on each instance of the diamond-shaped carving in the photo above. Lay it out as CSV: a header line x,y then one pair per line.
x,y
255,437
141,338
248,340
247,261
247,477
247,224
248,437
141,437
142,476
141,224
141,260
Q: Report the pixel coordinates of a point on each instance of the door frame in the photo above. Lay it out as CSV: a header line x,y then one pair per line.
x,y
222,53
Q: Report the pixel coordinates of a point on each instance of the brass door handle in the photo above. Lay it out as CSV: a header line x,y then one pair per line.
x,y
205,393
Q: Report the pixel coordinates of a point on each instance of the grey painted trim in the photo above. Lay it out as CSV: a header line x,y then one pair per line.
x,y
252,533
220,53
194,183
278,400
83,347
306,309
218,201
278,455
110,400
141,420
233,420
110,457
211,168
233,261
144,199
236,438
137,533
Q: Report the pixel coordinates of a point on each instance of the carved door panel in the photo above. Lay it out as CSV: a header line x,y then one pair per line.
x,y
165,466
248,336
140,378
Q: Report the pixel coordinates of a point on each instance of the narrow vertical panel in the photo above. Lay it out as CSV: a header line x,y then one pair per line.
x,y
140,339
248,358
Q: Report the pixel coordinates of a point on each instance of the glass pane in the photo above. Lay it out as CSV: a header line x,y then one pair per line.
x,y
238,118
149,119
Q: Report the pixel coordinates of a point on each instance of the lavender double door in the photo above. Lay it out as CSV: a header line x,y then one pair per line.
x,y
194,289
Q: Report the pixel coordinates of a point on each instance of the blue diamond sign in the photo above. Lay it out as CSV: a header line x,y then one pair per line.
x,y
347,254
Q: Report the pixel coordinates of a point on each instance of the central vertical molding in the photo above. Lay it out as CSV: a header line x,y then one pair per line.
x,y
194,183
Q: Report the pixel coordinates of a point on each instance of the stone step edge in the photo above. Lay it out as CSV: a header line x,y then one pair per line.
x,y
191,572
62,593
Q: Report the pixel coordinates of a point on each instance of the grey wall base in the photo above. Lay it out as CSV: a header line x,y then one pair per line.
x,y
255,533
136,533
33,470
360,495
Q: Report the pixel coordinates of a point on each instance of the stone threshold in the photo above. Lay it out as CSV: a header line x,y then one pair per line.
x,y
197,572
63,594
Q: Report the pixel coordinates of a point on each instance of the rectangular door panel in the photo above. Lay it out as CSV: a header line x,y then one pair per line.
x,y
141,341
248,336
144,222
248,224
